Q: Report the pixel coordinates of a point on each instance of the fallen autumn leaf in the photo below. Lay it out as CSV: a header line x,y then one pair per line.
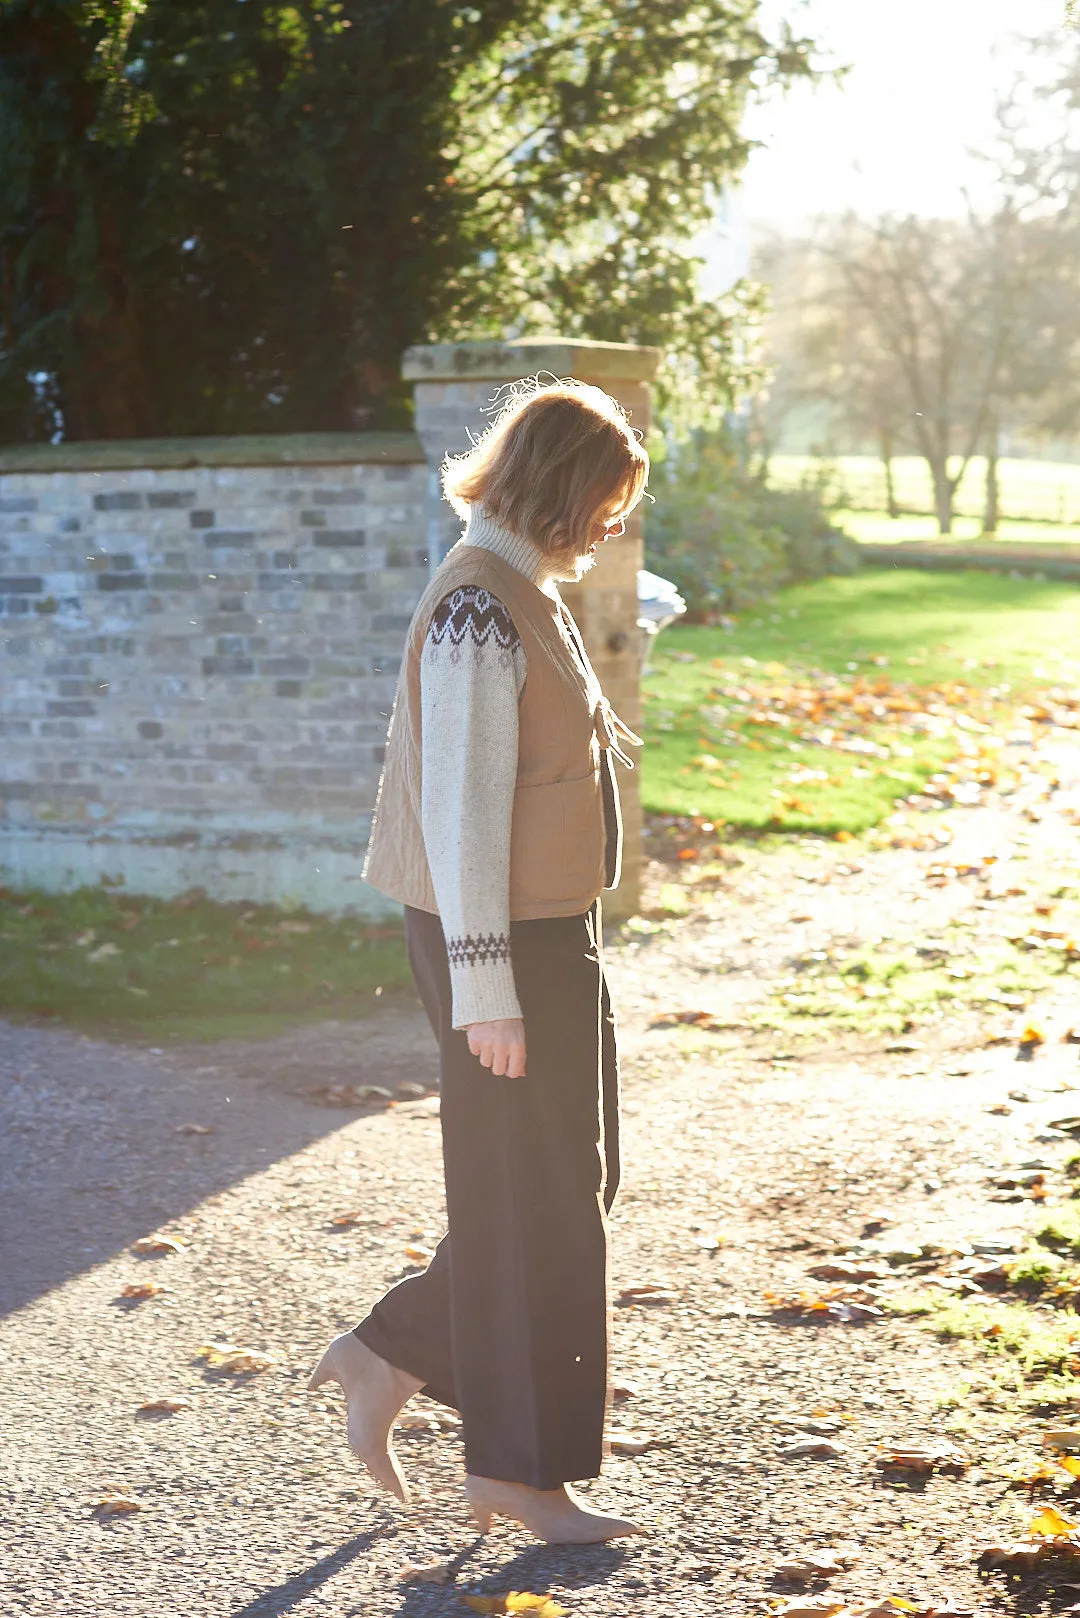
x,y
815,1564
649,1293
1050,1524
347,1095
943,1458
237,1361
1062,1438
427,1573
117,1505
156,1246
518,1601
812,1449
635,1443
163,1407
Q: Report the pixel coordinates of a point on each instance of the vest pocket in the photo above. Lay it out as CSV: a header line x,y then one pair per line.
x,y
557,842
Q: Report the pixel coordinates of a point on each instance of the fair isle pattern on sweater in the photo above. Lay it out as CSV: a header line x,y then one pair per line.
x,y
474,615
478,951
472,670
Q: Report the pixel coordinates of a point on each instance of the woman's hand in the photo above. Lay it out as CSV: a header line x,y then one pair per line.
x,y
500,1045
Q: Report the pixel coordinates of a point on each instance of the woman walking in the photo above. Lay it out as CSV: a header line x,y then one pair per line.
x,y
497,827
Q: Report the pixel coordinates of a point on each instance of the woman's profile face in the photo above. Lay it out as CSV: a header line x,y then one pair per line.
x,y
610,526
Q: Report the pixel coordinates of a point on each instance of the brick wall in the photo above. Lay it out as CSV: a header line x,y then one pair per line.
x,y
200,639
196,666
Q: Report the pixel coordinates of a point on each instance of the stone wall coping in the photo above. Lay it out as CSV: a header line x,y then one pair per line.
x,y
261,449
507,362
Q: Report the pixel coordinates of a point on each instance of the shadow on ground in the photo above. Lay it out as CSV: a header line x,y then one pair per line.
x,y
536,1569
98,1141
284,1597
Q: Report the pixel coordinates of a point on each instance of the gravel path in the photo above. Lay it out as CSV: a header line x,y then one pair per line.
x,y
745,1170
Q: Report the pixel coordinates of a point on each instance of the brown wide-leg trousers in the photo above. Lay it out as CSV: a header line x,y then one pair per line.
x,y
508,1324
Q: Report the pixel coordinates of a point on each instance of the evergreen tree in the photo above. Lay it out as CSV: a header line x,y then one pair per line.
x,y
233,215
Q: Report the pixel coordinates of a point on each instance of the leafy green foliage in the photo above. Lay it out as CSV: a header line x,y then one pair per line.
x,y
222,216
593,146
726,536
233,215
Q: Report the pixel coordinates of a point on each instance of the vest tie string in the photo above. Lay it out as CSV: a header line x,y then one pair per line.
x,y
609,727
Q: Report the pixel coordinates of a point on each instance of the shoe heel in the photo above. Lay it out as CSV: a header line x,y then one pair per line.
x,y
479,1510
481,1516
323,1372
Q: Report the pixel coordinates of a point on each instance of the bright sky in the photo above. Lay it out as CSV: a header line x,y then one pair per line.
x,y
892,135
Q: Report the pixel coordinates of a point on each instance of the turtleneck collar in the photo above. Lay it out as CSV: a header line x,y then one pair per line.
x,y
483,531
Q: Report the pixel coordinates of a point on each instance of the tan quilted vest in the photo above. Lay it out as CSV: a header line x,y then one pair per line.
x,y
557,844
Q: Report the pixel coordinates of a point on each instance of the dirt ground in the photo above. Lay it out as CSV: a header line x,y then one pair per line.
x,y
753,1155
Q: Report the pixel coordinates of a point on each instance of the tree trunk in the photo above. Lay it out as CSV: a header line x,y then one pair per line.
x,y
944,489
106,388
992,509
890,487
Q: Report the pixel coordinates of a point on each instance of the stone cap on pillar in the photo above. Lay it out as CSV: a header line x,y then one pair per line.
x,y
526,356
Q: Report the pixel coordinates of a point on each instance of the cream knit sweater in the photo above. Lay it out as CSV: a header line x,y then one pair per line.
x,y
472,672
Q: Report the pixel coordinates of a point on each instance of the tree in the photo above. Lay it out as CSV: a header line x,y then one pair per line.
x,y
936,331
233,215
1035,164
222,215
828,357
946,335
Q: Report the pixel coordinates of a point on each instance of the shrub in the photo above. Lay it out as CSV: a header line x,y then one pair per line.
x,y
726,537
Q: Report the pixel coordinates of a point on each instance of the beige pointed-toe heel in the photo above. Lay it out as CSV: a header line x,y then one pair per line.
x,y
480,1516
323,1372
556,1516
375,1394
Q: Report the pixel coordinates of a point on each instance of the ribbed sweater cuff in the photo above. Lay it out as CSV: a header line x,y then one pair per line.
x,y
483,993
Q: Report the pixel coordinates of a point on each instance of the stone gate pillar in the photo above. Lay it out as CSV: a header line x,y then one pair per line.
x,y
454,385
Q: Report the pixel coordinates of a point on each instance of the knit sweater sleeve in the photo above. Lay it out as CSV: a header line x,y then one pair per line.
x,y
472,670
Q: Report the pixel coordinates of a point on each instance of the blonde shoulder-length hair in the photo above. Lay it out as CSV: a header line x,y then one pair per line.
x,y
558,458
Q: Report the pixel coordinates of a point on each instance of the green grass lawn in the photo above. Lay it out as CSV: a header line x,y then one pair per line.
x,y
1032,490
187,969
815,713
875,527
818,712
889,988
